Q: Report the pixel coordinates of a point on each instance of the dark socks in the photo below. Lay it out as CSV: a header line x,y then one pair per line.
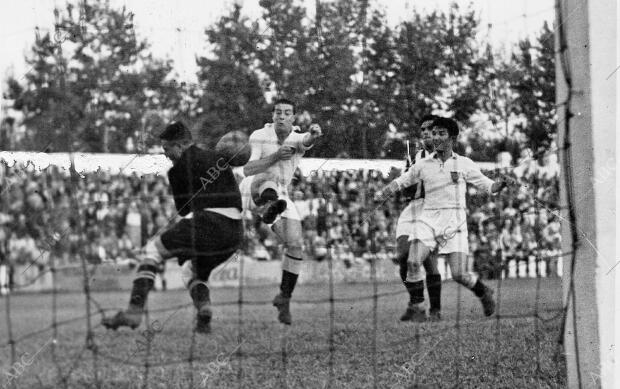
x,y
142,285
479,289
200,294
433,286
416,291
402,264
288,283
139,293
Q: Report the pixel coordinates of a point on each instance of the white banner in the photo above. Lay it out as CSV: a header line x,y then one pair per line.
x,y
128,164
109,276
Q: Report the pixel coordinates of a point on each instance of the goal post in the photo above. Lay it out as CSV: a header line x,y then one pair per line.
x,y
586,96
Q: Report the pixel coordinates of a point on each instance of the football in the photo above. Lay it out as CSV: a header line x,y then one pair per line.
x,y
235,148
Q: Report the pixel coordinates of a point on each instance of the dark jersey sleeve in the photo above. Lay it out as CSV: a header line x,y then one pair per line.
x,y
201,179
415,191
181,194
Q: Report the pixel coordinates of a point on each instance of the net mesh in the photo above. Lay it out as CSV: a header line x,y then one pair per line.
x,y
348,332
340,325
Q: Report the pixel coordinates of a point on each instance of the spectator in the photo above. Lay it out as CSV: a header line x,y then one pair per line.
x,y
125,247
116,213
133,222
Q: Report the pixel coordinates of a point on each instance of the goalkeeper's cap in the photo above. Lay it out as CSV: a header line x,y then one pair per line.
x,y
176,131
449,124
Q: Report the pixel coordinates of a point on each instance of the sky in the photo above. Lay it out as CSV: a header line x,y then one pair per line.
x,y
175,28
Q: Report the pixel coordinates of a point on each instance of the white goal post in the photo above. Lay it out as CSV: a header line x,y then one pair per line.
x,y
586,55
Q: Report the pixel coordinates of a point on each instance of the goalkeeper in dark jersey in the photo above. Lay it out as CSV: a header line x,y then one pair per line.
x,y
404,228
207,196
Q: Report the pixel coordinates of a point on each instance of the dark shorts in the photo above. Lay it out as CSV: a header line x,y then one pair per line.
x,y
208,239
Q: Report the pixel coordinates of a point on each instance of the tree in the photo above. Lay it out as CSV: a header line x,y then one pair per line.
x,y
331,91
465,61
371,97
400,67
492,127
345,68
92,79
535,88
313,62
427,63
233,97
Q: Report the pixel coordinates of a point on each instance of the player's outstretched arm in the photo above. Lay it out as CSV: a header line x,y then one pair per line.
x,y
405,180
387,192
313,134
502,183
474,176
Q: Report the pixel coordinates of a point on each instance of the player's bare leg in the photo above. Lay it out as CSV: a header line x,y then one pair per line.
x,y
460,274
151,257
414,283
289,230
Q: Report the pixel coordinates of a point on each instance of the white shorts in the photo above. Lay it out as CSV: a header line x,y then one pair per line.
x,y
248,204
412,211
444,230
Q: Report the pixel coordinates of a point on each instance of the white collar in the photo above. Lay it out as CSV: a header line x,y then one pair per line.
x,y
453,156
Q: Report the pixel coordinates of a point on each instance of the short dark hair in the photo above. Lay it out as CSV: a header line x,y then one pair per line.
x,y
449,124
176,131
283,100
427,118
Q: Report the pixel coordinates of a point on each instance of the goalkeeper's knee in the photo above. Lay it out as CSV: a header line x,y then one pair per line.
x,y
153,253
187,273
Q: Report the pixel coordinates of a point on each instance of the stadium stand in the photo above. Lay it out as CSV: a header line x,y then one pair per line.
x,y
122,210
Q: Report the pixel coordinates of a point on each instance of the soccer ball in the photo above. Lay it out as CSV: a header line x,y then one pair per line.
x,y
235,148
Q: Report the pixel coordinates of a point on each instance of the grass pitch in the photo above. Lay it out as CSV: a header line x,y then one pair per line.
x,y
357,346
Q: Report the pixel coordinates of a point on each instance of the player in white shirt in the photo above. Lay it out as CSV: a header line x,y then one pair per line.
x,y
404,229
442,225
277,149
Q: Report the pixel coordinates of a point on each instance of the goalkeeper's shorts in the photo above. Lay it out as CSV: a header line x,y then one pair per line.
x,y
207,239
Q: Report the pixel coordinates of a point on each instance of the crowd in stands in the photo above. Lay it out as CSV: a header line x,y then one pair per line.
x,y
519,223
101,216
45,216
